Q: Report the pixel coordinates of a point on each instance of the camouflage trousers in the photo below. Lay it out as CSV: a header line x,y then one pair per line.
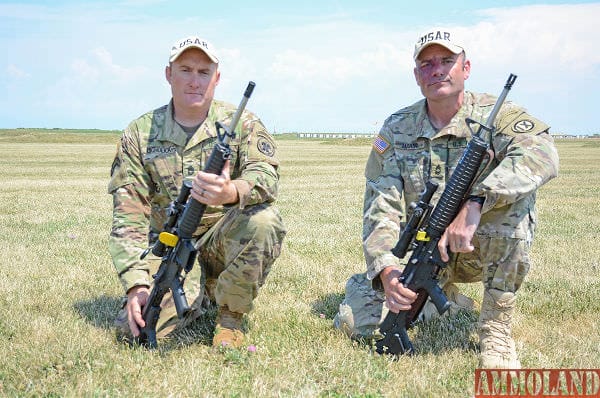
x,y
500,263
235,257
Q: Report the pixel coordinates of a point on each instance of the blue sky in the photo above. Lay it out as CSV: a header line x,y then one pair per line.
x,y
332,66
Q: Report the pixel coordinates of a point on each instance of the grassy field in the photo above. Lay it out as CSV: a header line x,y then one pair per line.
x,y
59,292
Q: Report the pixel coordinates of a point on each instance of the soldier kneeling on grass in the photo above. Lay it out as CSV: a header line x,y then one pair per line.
x,y
490,238
241,233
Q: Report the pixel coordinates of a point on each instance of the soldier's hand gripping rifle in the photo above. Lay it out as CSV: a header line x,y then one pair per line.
x,y
424,230
175,244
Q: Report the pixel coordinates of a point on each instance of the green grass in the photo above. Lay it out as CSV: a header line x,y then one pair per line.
x,y
59,291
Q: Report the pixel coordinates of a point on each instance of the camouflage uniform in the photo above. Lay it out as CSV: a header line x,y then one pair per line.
x,y
407,152
237,244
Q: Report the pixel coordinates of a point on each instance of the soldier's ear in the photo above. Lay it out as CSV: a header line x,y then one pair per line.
x,y
467,68
168,73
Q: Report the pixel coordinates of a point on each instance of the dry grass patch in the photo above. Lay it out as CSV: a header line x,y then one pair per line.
x,y
60,292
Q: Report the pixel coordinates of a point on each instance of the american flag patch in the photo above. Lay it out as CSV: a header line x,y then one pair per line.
x,y
380,144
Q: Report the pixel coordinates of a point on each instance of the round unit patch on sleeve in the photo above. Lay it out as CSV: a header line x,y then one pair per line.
x,y
264,146
523,126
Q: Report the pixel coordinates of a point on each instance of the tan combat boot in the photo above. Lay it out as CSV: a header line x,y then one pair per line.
x,y
497,346
228,332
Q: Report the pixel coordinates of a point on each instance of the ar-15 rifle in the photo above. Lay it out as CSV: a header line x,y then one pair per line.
x,y
175,244
424,230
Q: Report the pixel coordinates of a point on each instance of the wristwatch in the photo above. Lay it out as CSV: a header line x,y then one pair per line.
x,y
478,199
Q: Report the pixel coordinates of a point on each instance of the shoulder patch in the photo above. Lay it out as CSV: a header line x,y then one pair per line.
x,y
380,145
523,126
517,121
264,146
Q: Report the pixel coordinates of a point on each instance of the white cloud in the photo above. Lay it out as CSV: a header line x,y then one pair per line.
x,y
336,68
16,72
325,71
540,36
101,67
84,71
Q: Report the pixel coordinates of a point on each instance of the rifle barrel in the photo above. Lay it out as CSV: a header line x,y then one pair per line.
x,y
500,101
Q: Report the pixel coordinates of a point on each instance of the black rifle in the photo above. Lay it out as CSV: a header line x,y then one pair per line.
x,y
424,230
175,244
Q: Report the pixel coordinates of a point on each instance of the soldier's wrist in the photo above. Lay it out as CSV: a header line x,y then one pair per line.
x,y
389,273
476,199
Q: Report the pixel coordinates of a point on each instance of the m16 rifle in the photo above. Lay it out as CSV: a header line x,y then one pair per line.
x,y
424,230
175,243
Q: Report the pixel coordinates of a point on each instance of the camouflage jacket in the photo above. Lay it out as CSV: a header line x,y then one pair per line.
x,y
409,150
153,159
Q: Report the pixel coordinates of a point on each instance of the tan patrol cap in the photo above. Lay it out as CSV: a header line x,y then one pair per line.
x,y
193,42
438,36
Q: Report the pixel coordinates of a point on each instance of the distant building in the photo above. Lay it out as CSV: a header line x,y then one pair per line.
x,y
333,135
573,136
